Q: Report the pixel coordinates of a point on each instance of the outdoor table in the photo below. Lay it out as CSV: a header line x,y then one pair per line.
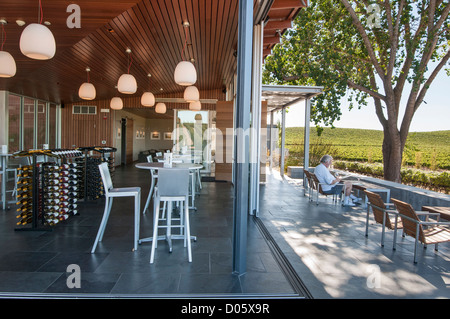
x,y
443,211
362,186
157,166
3,161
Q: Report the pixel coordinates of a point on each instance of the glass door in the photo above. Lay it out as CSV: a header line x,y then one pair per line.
x,y
192,138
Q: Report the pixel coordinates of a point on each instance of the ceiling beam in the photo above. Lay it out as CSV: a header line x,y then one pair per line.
x,y
288,4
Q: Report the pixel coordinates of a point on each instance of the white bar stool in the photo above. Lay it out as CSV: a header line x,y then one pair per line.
x,y
110,193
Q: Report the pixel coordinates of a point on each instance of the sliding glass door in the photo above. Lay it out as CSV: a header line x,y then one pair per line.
x,y
193,138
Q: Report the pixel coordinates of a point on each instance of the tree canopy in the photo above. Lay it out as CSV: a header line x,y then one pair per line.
x,y
366,49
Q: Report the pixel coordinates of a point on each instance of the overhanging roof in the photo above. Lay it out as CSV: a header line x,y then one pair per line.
x,y
282,96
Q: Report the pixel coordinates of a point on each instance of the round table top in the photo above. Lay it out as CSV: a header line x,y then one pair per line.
x,y
155,166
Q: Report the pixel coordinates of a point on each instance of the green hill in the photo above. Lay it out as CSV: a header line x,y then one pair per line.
x,y
423,149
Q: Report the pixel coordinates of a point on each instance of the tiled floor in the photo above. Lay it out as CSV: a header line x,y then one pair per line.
x,y
324,244
36,262
327,247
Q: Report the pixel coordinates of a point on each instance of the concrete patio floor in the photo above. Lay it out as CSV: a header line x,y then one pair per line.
x,y
327,247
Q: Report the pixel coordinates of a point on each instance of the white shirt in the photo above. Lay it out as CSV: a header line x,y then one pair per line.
x,y
324,176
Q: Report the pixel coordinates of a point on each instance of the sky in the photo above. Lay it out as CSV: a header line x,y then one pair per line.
x,y
432,116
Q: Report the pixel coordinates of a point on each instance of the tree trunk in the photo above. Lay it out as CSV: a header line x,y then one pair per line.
x,y
392,157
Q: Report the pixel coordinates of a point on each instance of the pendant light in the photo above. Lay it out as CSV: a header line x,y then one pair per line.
x,y
191,94
127,83
87,89
37,41
160,108
185,72
148,99
195,106
7,64
116,103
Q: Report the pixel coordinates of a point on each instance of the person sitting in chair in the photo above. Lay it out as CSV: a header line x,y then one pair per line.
x,y
331,184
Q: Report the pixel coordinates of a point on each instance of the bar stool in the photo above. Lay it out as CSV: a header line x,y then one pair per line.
x,y
110,193
173,186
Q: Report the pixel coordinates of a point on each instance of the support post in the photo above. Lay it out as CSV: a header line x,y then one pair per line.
x,y
283,136
306,139
241,172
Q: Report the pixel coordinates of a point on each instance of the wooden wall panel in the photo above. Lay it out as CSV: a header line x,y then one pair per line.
x,y
224,120
80,130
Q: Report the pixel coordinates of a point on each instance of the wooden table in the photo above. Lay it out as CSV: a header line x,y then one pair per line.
x,y
364,186
443,211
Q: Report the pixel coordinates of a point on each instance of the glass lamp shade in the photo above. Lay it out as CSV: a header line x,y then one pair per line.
x,y
191,94
185,74
127,84
37,42
148,99
7,65
195,106
116,103
87,91
160,108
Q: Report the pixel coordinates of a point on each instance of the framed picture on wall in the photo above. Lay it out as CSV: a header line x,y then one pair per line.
x,y
168,136
155,136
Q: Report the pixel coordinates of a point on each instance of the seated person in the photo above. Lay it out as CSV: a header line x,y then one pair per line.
x,y
330,184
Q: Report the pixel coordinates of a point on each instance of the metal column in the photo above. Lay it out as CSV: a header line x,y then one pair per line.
x,y
306,140
242,116
283,136
255,147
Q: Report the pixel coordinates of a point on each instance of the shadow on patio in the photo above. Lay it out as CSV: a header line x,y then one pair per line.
x,y
327,247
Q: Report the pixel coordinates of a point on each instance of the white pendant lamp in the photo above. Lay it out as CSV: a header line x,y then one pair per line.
x,y
195,106
37,41
185,72
7,63
148,99
127,83
160,108
87,89
116,103
191,94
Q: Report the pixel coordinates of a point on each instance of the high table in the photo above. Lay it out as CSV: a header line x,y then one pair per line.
x,y
3,161
155,167
443,211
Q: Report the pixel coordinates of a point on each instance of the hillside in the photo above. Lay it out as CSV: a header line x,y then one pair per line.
x,y
423,149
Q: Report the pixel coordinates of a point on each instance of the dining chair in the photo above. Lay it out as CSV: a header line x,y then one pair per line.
x,y
110,194
173,186
381,212
424,231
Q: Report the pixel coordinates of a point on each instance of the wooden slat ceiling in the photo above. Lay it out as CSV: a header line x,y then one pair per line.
x,y
152,29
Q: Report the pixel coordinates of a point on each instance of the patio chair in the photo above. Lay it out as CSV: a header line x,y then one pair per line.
x,y
427,232
309,183
381,212
318,188
110,193
173,186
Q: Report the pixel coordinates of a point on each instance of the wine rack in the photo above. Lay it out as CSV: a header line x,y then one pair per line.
x,y
94,156
47,191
